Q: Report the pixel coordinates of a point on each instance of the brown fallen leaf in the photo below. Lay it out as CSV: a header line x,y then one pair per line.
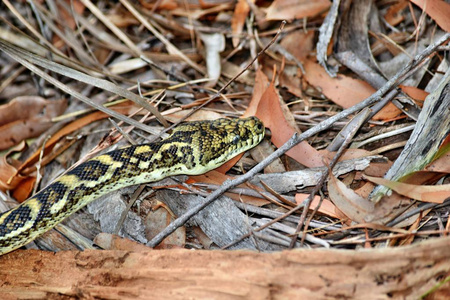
x,y
418,95
342,90
425,193
158,219
296,9
27,117
350,203
260,86
8,169
113,242
442,164
237,22
268,109
394,14
438,10
124,108
299,43
326,208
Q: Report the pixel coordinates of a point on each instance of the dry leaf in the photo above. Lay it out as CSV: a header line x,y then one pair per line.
x,y
27,117
113,242
326,208
296,9
418,95
350,203
438,10
237,22
260,86
425,193
442,164
342,90
270,112
299,43
393,14
157,220
9,179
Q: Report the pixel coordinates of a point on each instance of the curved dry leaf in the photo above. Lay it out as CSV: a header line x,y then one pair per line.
x,y
261,84
124,108
296,9
27,117
299,43
342,90
394,13
418,95
158,219
442,164
438,10
326,208
350,203
390,111
238,20
21,108
387,113
24,189
8,169
270,112
425,193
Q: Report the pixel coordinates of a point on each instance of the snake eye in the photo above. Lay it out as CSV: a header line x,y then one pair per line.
x,y
236,139
259,126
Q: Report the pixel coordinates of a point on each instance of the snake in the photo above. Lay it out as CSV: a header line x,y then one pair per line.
x,y
193,148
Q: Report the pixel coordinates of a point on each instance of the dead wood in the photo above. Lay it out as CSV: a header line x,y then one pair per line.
x,y
405,272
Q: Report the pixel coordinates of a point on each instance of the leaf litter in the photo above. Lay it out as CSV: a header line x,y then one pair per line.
x,y
187,53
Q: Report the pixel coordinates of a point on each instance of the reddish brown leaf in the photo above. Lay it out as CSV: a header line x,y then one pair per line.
x,y
26,117
425,193
438,10
296,9
350,203
326,208
237,22
342,90
270,112
273,118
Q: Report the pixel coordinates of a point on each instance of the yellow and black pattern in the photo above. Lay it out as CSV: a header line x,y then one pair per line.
x,y
193,148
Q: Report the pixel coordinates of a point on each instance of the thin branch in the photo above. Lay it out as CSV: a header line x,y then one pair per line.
x,y
218,94
296,139
359,121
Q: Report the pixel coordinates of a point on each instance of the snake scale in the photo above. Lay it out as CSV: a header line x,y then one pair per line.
x,y
193,148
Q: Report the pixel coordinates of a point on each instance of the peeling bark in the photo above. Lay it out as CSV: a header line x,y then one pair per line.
x,y
404,272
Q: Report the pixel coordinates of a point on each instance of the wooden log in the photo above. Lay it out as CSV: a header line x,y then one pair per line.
x,y
395,273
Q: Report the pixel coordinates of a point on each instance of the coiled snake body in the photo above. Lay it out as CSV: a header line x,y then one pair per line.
x,y
193,148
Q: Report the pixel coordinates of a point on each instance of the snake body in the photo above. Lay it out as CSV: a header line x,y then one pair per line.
x,y
193,148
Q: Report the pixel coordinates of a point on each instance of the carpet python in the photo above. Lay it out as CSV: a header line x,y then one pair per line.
x,y
193,148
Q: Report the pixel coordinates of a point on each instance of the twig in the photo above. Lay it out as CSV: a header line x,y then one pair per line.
x,y
360,119
219,92
295,139
30,60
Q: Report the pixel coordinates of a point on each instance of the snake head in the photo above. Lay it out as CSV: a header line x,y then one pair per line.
x,y
215,142
244,133
230,137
